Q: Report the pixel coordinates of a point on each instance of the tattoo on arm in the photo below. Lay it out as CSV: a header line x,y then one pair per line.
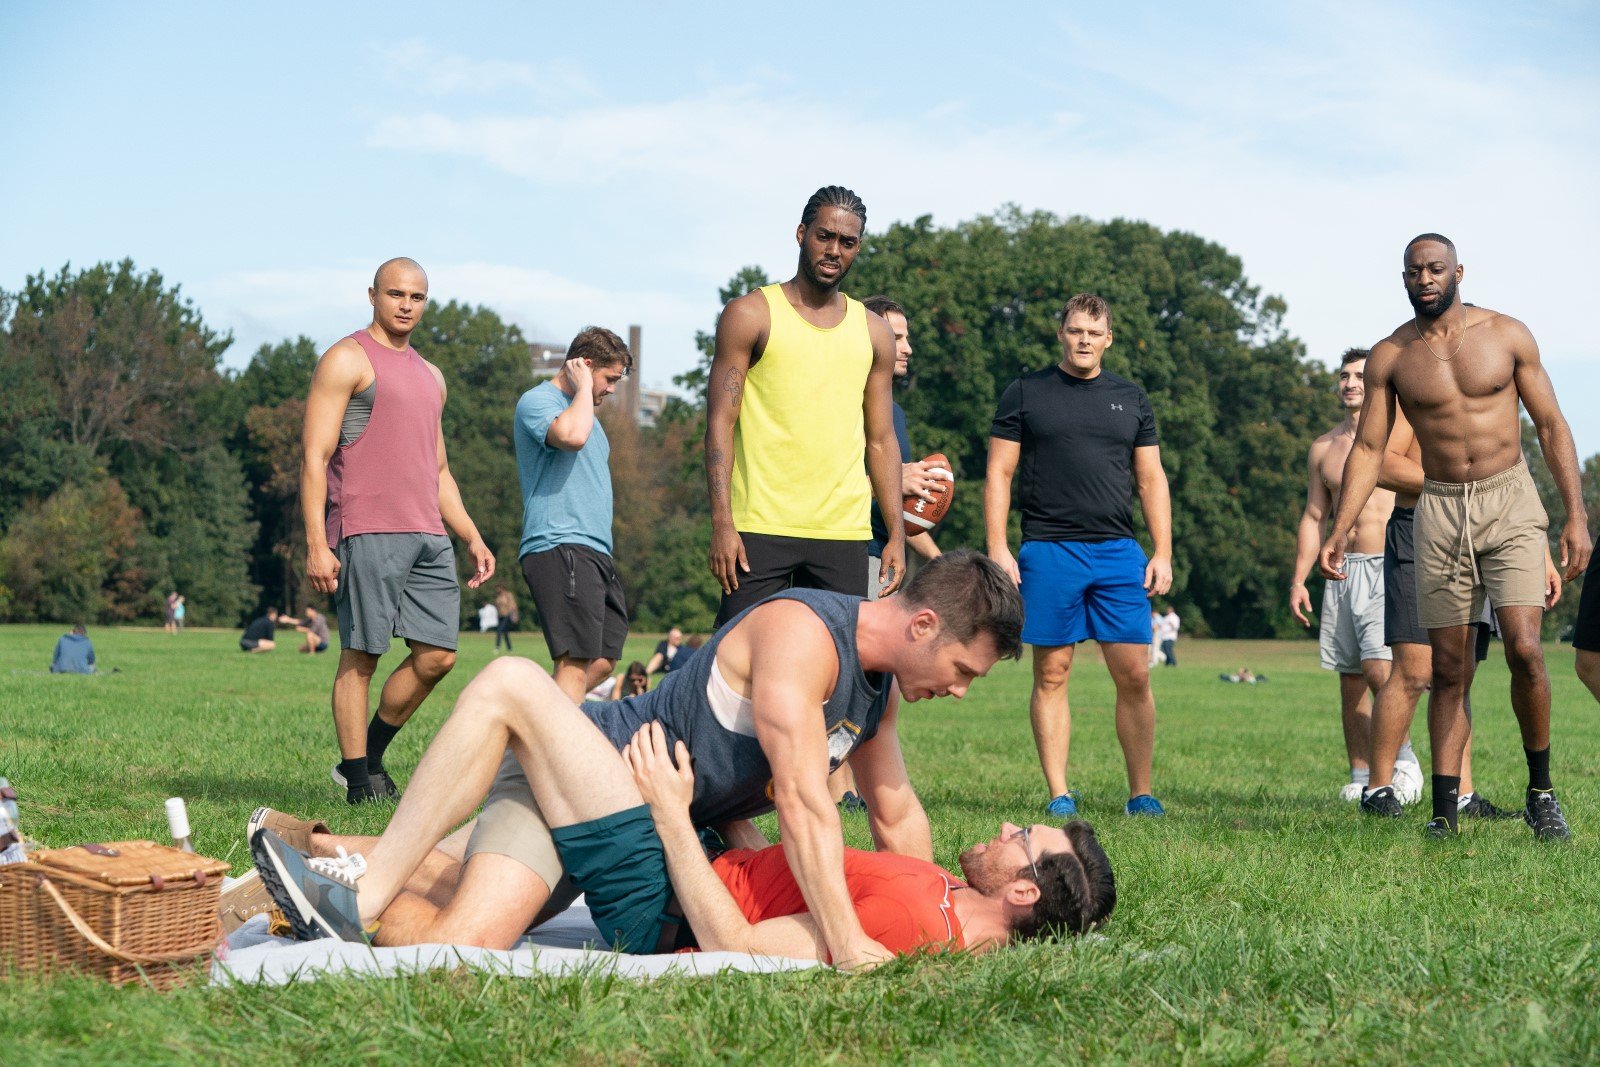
x,y
733,385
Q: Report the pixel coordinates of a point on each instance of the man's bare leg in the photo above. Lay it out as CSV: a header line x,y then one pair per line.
x,y
1410,673
1449,723
1355,714
1050,714
1530,682
576,774
575,677
410,683
1136,711
352,688
1587,664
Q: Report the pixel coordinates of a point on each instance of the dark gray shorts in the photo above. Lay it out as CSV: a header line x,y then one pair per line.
x,y
397,585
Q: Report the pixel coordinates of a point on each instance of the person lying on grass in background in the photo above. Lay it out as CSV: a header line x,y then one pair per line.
x,y
782,696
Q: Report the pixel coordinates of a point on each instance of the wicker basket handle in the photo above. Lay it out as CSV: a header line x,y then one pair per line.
x,y
100,943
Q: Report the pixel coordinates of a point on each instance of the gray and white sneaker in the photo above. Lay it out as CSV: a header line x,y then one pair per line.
x,y
317,895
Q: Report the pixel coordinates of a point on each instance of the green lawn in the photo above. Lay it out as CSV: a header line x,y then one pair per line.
x,y
1262,921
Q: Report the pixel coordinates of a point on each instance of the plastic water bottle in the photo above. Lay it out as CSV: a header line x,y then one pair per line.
x,y
178,821
11,847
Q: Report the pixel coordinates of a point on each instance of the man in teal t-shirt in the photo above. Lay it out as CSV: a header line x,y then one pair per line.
x,y
562,463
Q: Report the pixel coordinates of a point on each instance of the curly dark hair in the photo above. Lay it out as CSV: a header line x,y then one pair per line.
x,y
1077,891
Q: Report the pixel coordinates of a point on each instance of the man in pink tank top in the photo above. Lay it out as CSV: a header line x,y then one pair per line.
x,y
376,494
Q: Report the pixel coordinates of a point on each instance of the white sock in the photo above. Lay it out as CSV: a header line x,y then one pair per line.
x,y
1406,755
1462,801
1360,774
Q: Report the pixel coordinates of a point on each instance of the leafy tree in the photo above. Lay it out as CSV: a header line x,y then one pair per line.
x,y
1559,621
69,557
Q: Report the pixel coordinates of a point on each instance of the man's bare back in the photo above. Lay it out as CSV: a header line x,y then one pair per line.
x,y
1328,454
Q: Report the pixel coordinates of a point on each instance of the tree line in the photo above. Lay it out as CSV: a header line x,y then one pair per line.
x,y
132,463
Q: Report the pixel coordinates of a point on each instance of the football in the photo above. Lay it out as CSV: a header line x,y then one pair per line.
x,y
923,515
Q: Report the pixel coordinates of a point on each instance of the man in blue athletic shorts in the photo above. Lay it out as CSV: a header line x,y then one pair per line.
x,y
1085,439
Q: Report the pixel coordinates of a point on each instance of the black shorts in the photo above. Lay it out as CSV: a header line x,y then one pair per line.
x,y
248,644
579,599
1400,623
1586,633
779,563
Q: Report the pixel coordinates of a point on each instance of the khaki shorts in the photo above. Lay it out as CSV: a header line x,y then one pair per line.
x,y
512,825
1479,537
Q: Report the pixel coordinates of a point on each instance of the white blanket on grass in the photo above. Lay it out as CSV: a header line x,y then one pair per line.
x,y
567,945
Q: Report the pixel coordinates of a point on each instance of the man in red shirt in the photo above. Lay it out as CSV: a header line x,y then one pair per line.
x,y
1024,883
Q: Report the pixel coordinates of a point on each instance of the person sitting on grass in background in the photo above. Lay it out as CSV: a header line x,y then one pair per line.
x,y
74,653
258,635
314,626
635,681
666,651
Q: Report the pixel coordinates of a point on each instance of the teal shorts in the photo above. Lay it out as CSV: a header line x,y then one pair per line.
x,y
619,864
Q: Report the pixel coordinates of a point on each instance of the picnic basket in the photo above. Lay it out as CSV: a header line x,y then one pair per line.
x,y
125,910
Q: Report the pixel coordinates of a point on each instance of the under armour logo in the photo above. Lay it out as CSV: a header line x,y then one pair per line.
x,y
1117,407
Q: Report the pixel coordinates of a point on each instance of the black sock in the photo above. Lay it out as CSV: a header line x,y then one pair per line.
x,y
355,773
1538,768
1446,791
379,734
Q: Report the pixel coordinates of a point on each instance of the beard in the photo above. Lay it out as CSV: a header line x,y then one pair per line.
x,y
1447,299
809,269
979,871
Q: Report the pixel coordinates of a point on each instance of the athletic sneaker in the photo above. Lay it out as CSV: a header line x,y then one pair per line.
x,y
1064,806
1477,806
242,899
1144,804
297,832
1543,813
380,787
1408,780
318,896
1351,792
1440,828
1382,801
852,801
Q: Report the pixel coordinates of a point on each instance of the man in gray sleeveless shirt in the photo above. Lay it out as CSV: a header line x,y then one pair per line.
x,y
783,695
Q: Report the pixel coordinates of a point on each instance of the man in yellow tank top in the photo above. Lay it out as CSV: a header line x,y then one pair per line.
x,y
799,388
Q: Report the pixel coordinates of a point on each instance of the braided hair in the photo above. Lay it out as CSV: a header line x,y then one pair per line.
x,y
834,196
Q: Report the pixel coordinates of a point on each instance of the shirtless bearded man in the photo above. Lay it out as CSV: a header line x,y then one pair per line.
x,y
1458,373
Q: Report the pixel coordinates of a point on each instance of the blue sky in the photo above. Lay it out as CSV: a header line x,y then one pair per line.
x,y
615,163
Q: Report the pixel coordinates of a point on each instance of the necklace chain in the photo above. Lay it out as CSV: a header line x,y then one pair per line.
x,y
1459,340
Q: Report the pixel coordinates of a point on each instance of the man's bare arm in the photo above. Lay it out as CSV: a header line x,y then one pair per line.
x,y
899,823
1155,498
739,331
1401,473
339,375
666,783
454,512
1003,456
793,667
1366,456
883,454
1555,440
1308,535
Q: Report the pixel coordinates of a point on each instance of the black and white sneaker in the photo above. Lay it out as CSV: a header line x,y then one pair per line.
x,y
1543,813
1382,802
379,787
317,896
1440,829
1478,807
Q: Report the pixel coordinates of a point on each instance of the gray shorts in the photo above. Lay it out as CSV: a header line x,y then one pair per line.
x,y
400,585
512,825
1352,615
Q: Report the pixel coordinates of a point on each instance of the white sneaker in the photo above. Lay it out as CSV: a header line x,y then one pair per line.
x,y
1407,781
1351,793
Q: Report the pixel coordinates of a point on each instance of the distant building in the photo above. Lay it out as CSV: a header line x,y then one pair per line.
x,y
643,406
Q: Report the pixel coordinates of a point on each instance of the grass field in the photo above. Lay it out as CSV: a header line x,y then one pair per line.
x,y
1263,921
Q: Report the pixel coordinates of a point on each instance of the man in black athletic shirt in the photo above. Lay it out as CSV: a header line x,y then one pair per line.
x,y
1086,439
